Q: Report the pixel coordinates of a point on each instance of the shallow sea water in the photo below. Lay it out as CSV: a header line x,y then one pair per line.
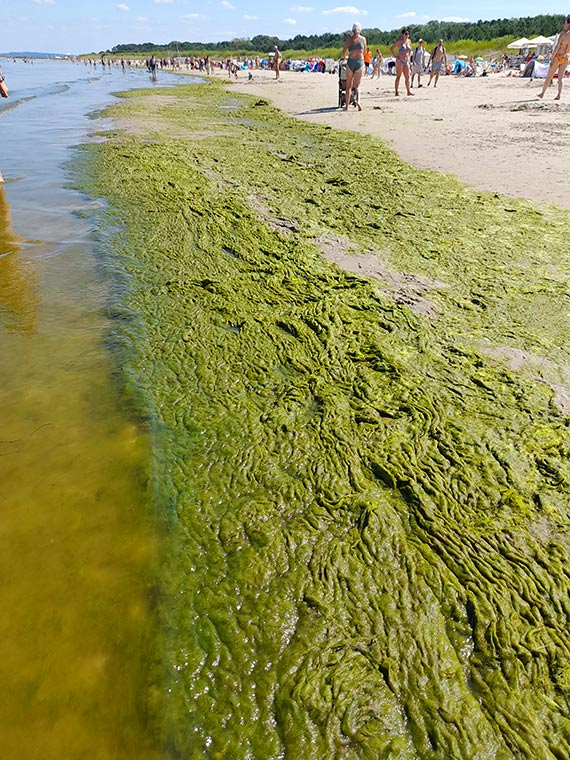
x,y
77,542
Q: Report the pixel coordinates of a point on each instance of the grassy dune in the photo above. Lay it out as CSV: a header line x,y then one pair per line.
x,y
365,480
490,49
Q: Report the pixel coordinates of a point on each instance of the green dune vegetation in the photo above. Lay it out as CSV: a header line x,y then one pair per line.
x,y
488,38
491,49
363,481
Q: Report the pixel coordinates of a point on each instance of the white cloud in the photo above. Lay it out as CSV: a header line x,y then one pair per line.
x,y
142,20
302,9
455,19
191,16
409,14
228,5
251,18
122,7
160,2
44,2
290,21
345,9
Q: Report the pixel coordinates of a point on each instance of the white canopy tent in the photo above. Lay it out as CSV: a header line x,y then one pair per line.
x,y
540,40
518,44
542,44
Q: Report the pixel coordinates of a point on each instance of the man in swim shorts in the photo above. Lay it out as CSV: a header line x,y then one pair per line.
x,y
559,60
437,60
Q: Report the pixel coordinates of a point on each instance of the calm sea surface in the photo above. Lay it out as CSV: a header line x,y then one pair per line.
x,y
76,539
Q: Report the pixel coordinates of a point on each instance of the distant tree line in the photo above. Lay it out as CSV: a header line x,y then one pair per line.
x,y
450,31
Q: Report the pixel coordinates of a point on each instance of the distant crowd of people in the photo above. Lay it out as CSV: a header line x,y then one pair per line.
x,y
408,63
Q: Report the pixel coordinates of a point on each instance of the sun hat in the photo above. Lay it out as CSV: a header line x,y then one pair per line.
x,y
356,27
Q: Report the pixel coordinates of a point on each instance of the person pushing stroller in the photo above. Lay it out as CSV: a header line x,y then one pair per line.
x,y
356,46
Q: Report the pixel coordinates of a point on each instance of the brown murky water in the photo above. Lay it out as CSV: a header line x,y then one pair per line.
x,y
76,536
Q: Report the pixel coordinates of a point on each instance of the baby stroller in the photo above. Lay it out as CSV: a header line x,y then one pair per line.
x,y
342,87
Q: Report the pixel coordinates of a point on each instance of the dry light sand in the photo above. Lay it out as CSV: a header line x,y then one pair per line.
x,y
491,132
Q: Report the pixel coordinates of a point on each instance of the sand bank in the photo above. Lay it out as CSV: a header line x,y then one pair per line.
x,y
492,132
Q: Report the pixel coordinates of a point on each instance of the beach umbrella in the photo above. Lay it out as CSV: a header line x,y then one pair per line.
x,y
479,58
540,40
522,43
461,57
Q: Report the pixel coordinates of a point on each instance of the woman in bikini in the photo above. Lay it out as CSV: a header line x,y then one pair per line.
x,y
356,46
402,50
559,61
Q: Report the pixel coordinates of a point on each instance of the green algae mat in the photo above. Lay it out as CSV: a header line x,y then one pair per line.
x,y
363,475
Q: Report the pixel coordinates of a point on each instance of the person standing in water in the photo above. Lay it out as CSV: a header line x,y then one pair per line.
x,y
559,60
18,294
402,50
355,46
4,94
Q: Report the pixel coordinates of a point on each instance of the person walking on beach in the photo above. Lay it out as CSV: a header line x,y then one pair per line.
x,y
377,65
559,60
418,62
402,50
356,47
367,61
4,94
437,59
276,60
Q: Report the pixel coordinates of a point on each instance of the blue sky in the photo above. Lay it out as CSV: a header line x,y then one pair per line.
x,y
79,26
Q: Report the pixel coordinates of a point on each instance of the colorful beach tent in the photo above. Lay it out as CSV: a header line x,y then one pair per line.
x,y
517,44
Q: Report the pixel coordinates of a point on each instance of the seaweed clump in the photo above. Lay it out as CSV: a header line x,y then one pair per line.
x,y
368,507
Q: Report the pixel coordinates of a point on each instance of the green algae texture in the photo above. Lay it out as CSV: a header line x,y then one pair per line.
x,y
367,501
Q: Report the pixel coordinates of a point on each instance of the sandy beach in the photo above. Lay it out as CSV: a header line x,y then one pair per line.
x,y
491,132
